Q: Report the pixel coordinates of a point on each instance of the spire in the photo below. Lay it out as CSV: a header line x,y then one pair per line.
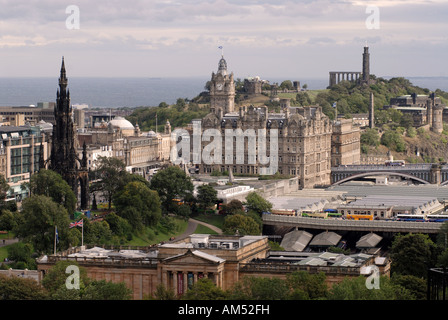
x,y
63,76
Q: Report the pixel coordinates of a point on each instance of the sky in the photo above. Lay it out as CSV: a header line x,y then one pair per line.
x,y
267,38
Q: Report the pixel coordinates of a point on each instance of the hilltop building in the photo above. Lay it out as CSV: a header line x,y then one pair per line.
x,y
356,76
424,109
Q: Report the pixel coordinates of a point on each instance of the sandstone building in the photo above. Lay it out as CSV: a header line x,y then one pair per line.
x,y
223,259
298,139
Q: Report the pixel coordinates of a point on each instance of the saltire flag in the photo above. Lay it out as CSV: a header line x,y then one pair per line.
x,y
220,47
76,224
334,105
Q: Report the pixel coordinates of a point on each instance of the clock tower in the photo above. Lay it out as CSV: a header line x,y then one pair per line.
x,y
222,90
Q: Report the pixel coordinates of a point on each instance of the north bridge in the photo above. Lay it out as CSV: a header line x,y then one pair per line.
x,y
424,173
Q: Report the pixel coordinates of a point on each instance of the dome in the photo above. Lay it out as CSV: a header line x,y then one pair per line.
x,y
121,123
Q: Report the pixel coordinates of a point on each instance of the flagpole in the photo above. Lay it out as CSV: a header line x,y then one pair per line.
x,y
55,232
82,233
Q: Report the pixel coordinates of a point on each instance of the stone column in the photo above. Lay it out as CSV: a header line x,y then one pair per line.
x,y
175,282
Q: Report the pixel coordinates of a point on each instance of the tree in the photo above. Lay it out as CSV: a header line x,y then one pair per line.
x,y
393,140
21,253
241,224
14,288
287,84
257,203
304,285
204,289
109,177
106,290
56,277
39,217
356,289
259,288
172,183
51,184
234,206
4,188
370,137
138,204
207,196
412,254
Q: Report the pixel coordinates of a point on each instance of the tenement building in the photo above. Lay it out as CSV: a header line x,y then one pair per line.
x,y
223,259
252,140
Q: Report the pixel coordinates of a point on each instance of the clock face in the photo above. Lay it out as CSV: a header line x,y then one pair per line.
x,y
219,86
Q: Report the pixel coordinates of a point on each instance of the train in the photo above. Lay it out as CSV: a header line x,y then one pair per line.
x,y
395,163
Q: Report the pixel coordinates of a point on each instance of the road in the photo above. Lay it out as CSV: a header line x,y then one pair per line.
x,y
191,227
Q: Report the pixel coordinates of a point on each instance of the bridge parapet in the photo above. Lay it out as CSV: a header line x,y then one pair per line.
x,y
352,225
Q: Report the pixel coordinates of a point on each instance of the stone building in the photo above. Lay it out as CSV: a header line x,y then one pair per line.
x,y
359,77
223,259
251,140
345,143
252,86
424,109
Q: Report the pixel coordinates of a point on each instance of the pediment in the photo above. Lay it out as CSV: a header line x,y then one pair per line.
x,y
195,257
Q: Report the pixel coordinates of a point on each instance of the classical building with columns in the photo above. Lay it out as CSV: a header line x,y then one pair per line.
x,y
175,265
225,259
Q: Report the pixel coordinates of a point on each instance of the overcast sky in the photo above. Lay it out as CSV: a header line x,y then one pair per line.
x,y
267,38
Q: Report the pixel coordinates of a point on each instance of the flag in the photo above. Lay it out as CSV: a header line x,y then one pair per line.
x,y
220,47
334,105
76,224
57,235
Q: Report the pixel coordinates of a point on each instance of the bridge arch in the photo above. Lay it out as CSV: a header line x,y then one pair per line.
x,y
381,173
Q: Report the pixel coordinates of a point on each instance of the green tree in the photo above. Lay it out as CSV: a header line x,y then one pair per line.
x,y
51,184
242,224
21,252
204,289
356,289
416,286
234,206
370,137
207,196
412,254
304,285
257,203
39,218
109,177
14,288
8,220
172,183
106,290
259,288
163,293
56,277
393,140
145,204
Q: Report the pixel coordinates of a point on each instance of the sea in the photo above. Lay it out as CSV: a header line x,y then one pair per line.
x,y
137,92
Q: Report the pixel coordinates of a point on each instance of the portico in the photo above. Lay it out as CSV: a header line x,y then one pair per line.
x,y
182,271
